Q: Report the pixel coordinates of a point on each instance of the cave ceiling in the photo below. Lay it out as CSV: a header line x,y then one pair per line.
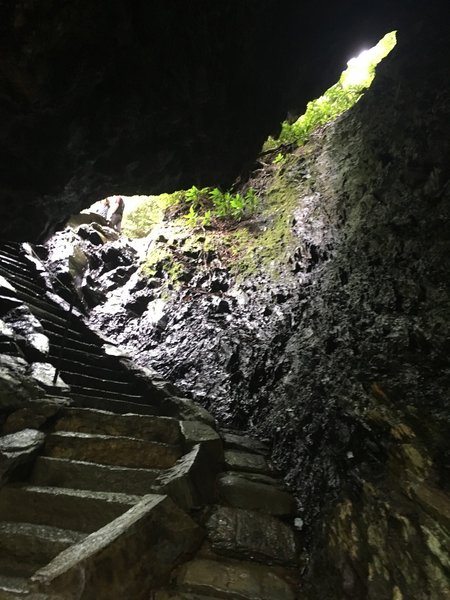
x,y
145,97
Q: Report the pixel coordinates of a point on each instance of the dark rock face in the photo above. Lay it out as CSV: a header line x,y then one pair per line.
x,y
148,97
343,361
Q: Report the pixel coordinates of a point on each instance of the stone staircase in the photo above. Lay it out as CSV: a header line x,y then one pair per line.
x,y
250,549
132,494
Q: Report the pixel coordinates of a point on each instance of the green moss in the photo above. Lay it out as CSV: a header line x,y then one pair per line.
x,y
157,258
262,243
266,244
142,218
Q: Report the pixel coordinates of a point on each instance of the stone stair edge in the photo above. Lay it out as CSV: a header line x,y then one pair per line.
x,y
134,523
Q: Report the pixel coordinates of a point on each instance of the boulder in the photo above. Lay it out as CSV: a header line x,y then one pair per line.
x,y
17,449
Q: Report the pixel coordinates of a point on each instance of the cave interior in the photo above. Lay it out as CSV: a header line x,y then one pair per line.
x,y
127,98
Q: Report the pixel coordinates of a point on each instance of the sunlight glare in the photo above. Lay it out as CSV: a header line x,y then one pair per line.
x,y
360,68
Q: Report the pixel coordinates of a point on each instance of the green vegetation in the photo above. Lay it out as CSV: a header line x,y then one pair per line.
x,y
142,218
161,260
197,207
207,205
279,159
223,229
337,99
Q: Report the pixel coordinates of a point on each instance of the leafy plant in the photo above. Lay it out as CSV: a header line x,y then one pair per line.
x,y
144,213
192,216
207,205
206,220
196,197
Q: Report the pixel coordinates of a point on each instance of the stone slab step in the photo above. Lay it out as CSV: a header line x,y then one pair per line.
x,y
149,427
9,266
240,491
111,371
41,303
97,367
79,510
12,587
237,460
45,317
233,580
111,450
105,385
8,254
251,535
58,340
57,332
31,546
8,347
176,595
110,405
112,395
76,329
70,355
18,280
13,249
235,441
128,558
64,473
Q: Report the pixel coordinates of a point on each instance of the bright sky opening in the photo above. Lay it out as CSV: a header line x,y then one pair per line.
x,y
360,68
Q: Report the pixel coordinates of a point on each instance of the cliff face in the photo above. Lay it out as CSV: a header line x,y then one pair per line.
x,y
324,326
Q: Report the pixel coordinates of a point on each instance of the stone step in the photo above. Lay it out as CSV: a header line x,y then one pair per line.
x,y
111,405
110,384
236,441
237,460
79,510
252,493
111,450
233,580
109,394
9,266
177,595
251,535
46,316
80,475
71,356
112,371
128,558
148,427
18,280
73,331
13,250
29,546
42,303
58,340
12,587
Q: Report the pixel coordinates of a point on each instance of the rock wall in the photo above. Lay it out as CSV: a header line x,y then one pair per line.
x,y
335,346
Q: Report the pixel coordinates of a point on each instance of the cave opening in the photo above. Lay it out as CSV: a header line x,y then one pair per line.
x,y
206,207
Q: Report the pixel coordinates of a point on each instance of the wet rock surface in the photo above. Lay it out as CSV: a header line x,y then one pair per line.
x,y
237,532
340,357
113,503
